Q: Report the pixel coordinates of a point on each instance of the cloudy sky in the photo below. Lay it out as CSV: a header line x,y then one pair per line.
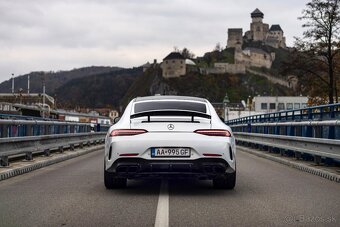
x,y
52,35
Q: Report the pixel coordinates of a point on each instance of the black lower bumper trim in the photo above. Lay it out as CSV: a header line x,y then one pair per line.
x,y
139,168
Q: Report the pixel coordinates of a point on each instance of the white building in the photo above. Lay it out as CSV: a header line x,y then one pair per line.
x,y
278,103
234,114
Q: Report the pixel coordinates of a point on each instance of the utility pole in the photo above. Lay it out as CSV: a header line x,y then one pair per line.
x,y
226,102
44,91
12,83
28,84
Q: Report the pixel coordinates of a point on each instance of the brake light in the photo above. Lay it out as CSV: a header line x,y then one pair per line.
x,y
214,132
127,132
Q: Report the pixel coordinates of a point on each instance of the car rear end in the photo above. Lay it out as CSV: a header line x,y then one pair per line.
x,y
172,137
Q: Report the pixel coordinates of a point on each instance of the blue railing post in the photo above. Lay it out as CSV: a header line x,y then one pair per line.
x,y
331,129
309,128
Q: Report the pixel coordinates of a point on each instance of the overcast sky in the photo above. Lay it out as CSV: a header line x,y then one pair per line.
x,y
52,35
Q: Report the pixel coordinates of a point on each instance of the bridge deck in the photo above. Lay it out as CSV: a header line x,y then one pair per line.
x,y
72,194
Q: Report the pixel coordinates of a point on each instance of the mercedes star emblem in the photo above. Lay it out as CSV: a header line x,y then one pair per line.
x,y
171,126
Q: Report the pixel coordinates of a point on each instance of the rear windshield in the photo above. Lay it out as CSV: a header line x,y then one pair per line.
x,y
170,105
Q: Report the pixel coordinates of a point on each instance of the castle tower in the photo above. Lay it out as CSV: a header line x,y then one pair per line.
x,y
275,37
257,16
258,30
235,38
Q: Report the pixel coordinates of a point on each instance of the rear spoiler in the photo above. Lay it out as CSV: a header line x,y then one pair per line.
x,y
170,113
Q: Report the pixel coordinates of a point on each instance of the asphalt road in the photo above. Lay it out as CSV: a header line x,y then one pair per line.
x,y
72,193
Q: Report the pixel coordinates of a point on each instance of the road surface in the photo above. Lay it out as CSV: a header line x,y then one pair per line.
x,y
72,193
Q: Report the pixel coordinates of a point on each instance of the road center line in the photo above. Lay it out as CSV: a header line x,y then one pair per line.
x,y
162,214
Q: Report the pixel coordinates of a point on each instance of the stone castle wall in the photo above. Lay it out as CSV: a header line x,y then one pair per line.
x,y
255,57
230,68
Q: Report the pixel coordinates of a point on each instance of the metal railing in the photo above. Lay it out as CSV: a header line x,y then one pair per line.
x,y
329,129
322,113
312,132
31,145
318,113
316,147
21,128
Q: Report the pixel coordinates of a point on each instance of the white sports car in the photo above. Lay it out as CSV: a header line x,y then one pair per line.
x,y
170,136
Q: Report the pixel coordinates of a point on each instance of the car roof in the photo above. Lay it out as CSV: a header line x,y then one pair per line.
x,y
170,97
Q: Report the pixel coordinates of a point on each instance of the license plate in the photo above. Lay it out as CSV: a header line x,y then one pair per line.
x,y
170,152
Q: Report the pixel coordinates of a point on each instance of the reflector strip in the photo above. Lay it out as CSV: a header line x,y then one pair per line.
x,y
212,155
129,154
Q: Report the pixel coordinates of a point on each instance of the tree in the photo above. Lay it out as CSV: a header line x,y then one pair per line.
x,y
176,49
187,53
218,47
320,43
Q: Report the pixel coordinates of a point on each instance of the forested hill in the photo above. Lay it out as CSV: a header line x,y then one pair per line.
x,y
53,80
97,91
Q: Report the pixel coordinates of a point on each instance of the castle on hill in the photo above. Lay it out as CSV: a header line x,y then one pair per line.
x,y
175,65
259,32
250,56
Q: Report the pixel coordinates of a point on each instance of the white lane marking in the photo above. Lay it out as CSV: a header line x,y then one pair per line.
x,y
162,215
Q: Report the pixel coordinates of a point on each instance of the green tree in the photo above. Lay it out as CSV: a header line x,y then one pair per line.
x,y
320,42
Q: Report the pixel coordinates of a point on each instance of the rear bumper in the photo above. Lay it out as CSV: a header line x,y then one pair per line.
x,y
142,168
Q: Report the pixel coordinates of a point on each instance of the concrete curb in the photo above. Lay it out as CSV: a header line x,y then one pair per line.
x,y
300,166
34,166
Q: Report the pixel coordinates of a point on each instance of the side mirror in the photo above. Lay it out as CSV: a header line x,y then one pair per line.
x,y
116,120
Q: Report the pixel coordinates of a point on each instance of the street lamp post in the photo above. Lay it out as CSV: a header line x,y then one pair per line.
x,y
44,91
226,101
12,83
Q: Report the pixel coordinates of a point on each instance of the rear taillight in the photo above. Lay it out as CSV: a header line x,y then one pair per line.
x,y
127,132
214,132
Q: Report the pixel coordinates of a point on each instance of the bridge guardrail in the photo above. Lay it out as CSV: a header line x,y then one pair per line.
x,y
314,131
329,129
317,147
304,137
317,113
19,128
30,145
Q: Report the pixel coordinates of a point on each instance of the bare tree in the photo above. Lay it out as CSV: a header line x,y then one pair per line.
x,y
320,42
187,53
218,47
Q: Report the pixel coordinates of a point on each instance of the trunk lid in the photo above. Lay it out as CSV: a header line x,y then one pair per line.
x,y
170,124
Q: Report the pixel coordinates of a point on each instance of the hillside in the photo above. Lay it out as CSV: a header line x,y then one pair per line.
x,y
212,87
97,87
97,91
53,80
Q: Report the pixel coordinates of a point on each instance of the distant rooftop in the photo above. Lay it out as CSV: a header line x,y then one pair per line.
x,y
275,27
257,13
12,97
174,55
189,62
146,65
235,30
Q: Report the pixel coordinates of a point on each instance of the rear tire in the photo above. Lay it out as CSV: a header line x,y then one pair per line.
x,y
111,181
225,181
